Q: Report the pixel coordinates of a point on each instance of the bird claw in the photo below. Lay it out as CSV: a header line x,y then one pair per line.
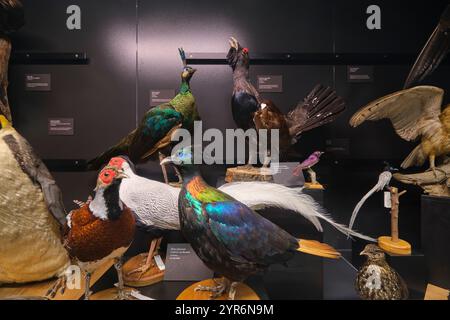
x,y
60,285
142,270
124,295
216,291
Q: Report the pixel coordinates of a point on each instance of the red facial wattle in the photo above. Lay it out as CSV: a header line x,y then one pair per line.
x,y
107,176
245,51
116,162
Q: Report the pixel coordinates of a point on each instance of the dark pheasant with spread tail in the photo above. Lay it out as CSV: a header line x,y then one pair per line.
x,y
320,107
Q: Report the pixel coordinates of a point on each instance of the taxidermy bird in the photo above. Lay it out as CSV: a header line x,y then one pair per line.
x,y
157,126
11,19
155,204
414,113
228,236
320,107
100,230
32,213
383,182
376,280
434,52
308,163
245,100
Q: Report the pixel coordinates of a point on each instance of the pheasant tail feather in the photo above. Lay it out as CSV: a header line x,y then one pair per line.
x,y
318,249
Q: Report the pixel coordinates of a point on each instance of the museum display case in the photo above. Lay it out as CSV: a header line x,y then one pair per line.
x,y
239,150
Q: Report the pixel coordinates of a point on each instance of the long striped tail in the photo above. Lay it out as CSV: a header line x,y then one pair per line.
x,y
317,248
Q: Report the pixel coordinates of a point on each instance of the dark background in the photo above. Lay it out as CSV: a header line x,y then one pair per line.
x,y
132,48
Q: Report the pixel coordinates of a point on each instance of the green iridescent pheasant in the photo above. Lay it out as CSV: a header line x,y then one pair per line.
x,y
154,133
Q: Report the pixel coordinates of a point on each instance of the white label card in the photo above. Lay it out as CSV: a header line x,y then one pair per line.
x,y
387,200
160,263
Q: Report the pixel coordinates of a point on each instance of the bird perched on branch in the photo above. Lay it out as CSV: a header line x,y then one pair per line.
x,y
157,126
376,280
434,52
155,204
308,164
383,182
228,236
100,230
414,113
11,19
320,107
32,213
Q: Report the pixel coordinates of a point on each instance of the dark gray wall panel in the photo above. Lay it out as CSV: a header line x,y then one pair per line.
x,y
405,25
100,96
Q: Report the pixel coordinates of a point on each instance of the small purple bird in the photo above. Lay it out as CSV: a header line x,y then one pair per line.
x,y
308,163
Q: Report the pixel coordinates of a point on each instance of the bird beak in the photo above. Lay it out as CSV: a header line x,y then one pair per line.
x,y
122,175
167,160
194,71
233,43
363,253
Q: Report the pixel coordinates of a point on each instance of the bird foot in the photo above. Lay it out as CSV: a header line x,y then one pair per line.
x,y
142,270
124,295
60,285
216,291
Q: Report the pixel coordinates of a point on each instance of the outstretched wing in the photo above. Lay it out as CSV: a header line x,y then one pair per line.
x,y
435,50
412,112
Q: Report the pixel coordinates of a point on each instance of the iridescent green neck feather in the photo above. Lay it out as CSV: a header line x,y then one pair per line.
x,y
185,88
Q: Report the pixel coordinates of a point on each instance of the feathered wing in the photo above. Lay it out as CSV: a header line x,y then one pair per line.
x,y
412,111
153,132
383,181
435,50
36,170
320,107
271,195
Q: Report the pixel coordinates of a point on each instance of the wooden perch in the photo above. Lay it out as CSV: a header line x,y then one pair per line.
x,y
433,184
394,244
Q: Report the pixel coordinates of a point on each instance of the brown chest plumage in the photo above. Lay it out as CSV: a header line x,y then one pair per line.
x,y
378,281
92,239
271,118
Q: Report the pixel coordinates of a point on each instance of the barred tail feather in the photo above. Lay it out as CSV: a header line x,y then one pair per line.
x,y
321,106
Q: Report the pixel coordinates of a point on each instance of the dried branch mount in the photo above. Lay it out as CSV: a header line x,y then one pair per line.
x,y
433,184
394,244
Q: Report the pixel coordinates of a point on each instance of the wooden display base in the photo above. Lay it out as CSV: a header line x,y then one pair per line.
x,y
109,294
314,186
244,173
243,292
152,276
399,247
40,289
436,293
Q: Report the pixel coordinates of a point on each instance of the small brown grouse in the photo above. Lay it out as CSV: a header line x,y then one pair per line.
x,y
376,280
